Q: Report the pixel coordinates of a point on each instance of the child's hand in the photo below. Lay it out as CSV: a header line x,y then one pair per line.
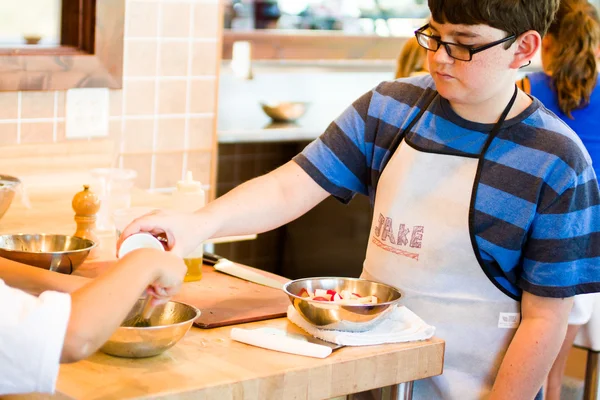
x,y
171,272
161,295
165,272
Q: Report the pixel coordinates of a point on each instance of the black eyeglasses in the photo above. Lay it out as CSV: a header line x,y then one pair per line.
x,y
457,51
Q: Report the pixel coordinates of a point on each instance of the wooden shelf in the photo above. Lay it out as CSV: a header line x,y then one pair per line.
x,y
313,45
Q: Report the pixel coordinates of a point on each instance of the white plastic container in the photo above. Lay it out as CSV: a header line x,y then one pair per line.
x,y
189,197
139,241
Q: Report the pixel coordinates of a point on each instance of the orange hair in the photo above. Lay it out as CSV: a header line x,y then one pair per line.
x,y
412,58
574,64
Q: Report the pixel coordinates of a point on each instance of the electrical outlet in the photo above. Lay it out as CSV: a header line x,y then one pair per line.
x,y
86,113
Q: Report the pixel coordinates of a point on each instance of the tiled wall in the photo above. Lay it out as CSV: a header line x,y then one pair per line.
x,y
163,119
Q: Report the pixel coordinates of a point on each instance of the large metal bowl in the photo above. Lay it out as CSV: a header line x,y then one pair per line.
x,y
168,324
343,317
60,253
287,111
8,185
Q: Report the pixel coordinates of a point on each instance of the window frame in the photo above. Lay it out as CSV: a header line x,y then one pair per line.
x,y
90,54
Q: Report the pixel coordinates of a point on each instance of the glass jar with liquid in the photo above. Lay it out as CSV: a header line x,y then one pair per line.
x,y
189,197
194,265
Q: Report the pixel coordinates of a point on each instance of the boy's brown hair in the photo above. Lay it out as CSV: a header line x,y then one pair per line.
x,y
511,16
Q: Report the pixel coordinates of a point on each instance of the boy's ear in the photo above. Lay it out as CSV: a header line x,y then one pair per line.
x,y
527,45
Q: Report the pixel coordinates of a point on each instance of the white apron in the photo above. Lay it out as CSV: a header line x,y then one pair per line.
x,y
420,242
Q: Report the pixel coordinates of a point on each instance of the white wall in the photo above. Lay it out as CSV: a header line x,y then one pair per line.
x,y
327,90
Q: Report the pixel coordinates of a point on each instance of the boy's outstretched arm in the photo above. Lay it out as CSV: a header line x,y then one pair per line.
x,y
534,347
256,206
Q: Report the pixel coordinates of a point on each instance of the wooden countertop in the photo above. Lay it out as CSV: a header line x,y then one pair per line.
x,y
206,364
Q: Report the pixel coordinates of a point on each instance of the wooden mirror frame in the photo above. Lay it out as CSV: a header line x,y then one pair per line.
x,y
90,54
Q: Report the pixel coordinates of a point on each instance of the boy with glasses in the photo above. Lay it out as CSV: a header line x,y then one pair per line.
x,y
485,204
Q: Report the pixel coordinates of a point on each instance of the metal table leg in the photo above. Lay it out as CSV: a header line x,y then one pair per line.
x,y
592,377
401,391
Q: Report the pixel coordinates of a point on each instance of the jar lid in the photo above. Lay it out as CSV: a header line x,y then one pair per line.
x,y
139,241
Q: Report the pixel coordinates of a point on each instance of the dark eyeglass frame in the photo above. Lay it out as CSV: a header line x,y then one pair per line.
x,y
471,50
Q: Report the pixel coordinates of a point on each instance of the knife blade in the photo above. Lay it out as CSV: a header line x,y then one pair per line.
x,y
228,267
299,336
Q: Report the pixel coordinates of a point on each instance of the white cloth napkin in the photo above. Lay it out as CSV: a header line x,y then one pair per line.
x,y
261,338
398,325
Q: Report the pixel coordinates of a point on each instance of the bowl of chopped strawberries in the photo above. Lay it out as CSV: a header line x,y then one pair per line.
x,y
346,304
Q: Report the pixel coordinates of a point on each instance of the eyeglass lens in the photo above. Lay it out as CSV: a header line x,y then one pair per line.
x,y
454,51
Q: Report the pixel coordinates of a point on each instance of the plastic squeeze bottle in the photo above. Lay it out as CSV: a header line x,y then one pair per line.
x,y
188,197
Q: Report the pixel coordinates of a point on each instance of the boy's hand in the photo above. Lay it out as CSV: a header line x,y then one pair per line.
x,y
178,228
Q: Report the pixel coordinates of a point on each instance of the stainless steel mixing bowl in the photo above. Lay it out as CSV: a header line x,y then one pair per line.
x,y
60,253
8,185
168,324
287,111
345,317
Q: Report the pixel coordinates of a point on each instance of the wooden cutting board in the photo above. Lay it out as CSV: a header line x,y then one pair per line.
x,y
227,300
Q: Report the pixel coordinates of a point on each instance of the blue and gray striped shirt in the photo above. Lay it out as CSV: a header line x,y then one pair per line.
x,y
536,215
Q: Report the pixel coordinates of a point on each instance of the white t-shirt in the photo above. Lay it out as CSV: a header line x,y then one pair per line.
x,y
32,333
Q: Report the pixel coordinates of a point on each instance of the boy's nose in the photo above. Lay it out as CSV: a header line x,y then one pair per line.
x,y
441,56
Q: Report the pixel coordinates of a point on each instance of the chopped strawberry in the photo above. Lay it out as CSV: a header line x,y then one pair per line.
x,y
331,292
357,295
320,298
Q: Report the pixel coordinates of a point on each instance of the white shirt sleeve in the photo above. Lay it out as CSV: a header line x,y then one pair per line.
x,y
32,333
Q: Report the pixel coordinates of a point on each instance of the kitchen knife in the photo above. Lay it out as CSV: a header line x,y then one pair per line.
x,y
225,266
281,340
299,336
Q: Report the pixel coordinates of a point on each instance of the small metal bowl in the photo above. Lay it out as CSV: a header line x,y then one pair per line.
x,y
60,253
288,111
343,317
8,185
168,324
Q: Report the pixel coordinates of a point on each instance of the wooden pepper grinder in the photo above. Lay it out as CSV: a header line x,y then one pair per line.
x,y
86,204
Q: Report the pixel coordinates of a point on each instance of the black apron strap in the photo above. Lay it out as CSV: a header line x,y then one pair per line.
x,y
398,139
498,272
498,124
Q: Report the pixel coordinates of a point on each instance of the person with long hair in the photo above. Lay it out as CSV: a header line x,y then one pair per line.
x,y
570,88
569,85
412,60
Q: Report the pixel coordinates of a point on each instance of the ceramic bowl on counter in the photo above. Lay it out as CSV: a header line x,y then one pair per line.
x,y
8,186
286,111
60,253
338,315
168,324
